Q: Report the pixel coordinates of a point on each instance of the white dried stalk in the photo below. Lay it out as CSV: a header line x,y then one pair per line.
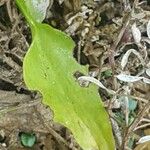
x,y
117,131
97,82
146,80
148,29
60,2
148,72
136,33
128,78
126,57
131,79
144,139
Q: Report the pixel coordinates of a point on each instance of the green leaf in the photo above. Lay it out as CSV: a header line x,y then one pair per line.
x,y
34,10
107,73
132,105
49,67
131,142
27,139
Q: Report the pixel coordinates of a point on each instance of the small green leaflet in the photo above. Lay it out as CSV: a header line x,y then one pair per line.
x,y
27,139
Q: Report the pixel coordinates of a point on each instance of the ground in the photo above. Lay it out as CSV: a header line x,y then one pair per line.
x,y
112,37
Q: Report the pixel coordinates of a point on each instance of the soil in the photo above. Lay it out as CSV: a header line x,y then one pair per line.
x,y
102,31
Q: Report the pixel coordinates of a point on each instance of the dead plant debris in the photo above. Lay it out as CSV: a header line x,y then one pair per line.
x,y
113,39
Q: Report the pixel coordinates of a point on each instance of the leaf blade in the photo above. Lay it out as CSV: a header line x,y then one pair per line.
x,y
79,109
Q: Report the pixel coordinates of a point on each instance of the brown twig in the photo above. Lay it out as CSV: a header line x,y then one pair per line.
x,y
20,106
8,4
135,124
114,46
51,130
2,26
140,99
142,126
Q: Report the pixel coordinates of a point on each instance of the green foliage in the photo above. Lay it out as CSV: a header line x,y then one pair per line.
x,y
131,142
49,67
132,105
27,139
120,116
107,73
